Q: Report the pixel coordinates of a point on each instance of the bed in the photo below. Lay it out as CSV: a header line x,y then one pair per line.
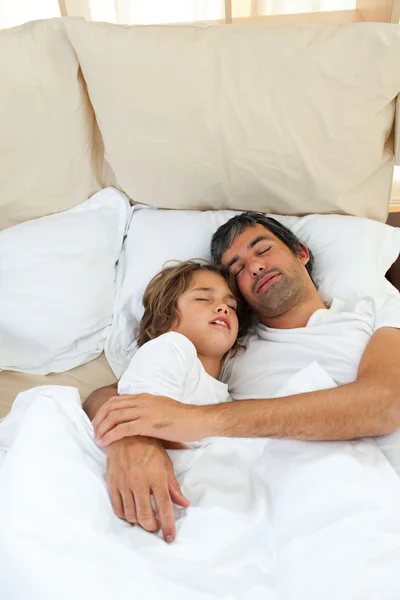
x,y
176,101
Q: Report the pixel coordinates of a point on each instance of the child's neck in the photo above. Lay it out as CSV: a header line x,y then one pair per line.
x,y
211,365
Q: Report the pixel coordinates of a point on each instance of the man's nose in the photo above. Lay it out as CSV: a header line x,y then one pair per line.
x,y
257,269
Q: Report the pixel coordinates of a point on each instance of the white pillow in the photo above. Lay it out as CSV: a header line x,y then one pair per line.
x,y
57,279
352,256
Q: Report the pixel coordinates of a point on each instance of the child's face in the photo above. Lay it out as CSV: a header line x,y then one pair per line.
x,y
208,300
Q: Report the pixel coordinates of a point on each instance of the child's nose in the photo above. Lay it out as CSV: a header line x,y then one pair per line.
x,y
223,308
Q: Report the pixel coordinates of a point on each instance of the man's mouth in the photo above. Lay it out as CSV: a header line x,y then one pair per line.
x,y
266,282
221,322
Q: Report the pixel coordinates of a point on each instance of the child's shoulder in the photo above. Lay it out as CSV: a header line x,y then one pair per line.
x,y
175,339
171,342
165,361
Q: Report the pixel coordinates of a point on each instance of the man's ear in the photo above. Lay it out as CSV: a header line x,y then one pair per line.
x,y
303,253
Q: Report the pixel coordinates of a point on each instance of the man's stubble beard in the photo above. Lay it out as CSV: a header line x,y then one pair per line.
x,y
280,298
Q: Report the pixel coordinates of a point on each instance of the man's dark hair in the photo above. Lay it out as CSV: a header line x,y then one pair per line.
x,y
224,236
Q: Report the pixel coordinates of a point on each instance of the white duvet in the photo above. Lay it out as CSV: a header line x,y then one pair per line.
x,y
269,519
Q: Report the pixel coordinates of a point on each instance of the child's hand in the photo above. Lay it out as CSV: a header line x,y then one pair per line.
x,y
152,416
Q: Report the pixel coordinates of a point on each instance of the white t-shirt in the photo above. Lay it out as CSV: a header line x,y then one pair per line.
x,y
168,366
335,338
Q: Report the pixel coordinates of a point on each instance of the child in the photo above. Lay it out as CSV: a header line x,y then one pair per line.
x,y
189,325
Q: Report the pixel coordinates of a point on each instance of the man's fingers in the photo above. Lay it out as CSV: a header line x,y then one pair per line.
x,y
129,506
117,504
117,433
176,493
103,411
115,418
144,510
113,403
165,512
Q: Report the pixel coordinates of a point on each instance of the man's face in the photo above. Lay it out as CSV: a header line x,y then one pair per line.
x,y
270,277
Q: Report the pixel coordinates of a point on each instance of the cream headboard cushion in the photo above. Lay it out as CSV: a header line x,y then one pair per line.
x,y
46,124
285,119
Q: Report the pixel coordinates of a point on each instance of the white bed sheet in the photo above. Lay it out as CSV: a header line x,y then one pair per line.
x,y
269,519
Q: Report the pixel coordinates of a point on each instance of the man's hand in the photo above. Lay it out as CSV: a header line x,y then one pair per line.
x,y
137,468
154,416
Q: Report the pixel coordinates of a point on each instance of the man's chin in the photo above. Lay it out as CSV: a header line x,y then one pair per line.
x,y
269,297
269,304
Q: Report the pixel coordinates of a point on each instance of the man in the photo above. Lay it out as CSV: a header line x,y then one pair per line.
x,y
357,343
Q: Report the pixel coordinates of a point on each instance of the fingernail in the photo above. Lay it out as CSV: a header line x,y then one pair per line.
x,y
168,539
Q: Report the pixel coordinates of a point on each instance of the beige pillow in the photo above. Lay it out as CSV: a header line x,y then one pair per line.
x,y
46,124
285,119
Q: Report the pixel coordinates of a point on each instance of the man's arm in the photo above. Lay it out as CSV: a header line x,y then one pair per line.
x,y
370,406
136,469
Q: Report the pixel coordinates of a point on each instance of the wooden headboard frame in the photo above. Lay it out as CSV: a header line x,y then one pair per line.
x,y
393,275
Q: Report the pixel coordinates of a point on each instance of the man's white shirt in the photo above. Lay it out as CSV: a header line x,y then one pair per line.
x,y
335,338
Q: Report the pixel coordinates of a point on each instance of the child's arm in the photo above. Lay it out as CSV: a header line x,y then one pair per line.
x,y
96,399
